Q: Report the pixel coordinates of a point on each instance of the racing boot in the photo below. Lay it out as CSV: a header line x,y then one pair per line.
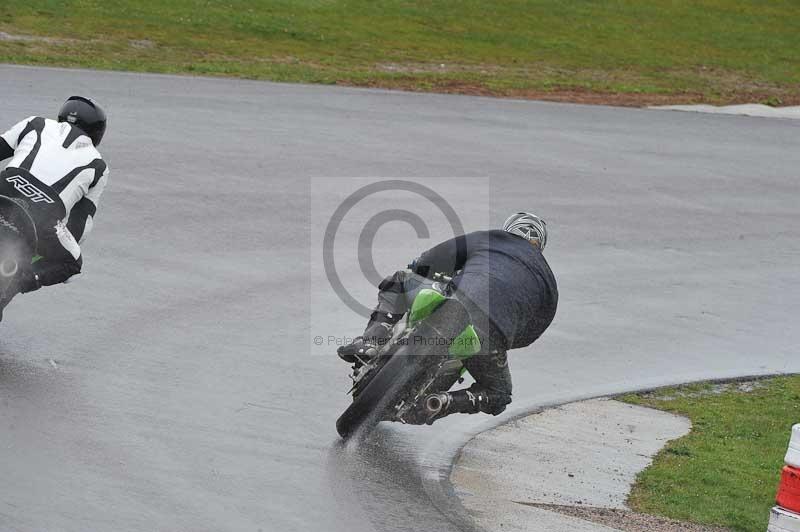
x,y
376,335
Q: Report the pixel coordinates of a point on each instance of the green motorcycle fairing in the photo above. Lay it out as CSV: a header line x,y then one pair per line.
x,y
465,345
424,304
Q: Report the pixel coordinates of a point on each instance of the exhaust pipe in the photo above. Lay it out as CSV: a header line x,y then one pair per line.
x,y
437,402
8,268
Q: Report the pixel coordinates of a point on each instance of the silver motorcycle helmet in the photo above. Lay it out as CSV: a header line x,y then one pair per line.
x,y
528,226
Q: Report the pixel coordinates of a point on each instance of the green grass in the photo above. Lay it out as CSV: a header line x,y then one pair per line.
x,y
675,50
726,471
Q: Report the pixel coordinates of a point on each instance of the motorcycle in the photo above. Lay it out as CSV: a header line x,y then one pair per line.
x,y
18,242
393,381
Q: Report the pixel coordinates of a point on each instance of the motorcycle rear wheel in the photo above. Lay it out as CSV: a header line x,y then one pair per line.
x,y
383,390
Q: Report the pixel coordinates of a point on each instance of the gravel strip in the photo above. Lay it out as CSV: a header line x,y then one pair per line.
x,y
624,520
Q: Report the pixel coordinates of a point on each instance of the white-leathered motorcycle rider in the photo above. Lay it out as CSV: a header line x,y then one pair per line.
x,y
504,283
58,175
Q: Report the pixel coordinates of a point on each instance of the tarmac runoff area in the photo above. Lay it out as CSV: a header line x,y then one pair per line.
x,y
191,398
569,468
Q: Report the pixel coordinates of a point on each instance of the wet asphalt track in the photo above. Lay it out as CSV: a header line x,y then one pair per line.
x,y
171,387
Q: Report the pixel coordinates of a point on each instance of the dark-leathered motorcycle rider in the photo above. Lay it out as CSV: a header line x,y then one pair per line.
x,y
58,175
503,286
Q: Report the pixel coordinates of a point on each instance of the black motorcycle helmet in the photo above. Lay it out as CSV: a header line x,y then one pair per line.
x,y
86,115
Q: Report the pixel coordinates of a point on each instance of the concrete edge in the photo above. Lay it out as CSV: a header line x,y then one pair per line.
x,y
441,490
583,455
781,520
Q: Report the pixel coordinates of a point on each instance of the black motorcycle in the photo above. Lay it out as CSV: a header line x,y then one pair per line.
x,y
393,382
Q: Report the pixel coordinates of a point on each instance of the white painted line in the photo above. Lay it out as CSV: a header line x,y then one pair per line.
x,y
750,109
